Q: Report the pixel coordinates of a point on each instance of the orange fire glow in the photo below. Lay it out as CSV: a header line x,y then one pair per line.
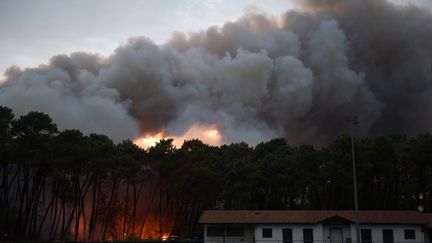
x,y
152,230
208,134
150,140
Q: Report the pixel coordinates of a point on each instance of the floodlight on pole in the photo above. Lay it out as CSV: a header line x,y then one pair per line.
x,y
352,122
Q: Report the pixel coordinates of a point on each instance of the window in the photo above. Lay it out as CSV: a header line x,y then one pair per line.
x,y
215,231
307,236
366,236
235,231
409,234
287,236
387,236
267,233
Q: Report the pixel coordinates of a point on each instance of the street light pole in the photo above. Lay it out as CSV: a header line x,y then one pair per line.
x,y
353,121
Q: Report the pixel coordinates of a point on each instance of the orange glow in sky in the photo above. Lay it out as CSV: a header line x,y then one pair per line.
x,y
149,140
208,134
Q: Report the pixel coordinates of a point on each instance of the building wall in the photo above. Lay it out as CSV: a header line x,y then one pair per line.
x,y
398,232
346,231
247,238
297,231
321,233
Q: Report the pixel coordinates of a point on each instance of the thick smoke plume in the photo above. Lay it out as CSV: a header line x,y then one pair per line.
x,y
298,76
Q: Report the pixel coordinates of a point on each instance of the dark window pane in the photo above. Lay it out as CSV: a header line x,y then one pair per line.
x,y
307,235
215,231
409,234
235,231
366,236
267,233
287,235
388,236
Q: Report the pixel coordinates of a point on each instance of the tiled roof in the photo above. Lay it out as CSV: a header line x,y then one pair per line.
x,y
313,216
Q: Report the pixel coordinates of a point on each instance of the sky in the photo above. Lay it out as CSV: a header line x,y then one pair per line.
x,y
34,30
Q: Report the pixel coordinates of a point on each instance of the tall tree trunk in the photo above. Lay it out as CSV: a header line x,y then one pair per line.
x,y
148,209
95,208
125,213
47,210
109,207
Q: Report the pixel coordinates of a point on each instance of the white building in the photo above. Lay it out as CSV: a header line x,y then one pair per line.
x,y
299,226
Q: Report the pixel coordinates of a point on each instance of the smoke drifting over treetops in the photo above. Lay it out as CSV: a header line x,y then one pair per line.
x,y
298,76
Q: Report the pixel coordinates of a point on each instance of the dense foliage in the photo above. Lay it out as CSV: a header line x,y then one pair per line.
x,y
57,183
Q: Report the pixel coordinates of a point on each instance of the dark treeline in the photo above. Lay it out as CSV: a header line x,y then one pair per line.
x,y
63,184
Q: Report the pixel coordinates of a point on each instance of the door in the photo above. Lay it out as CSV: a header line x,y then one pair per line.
x,y
308,236
336,235
287,235
366,236
388,236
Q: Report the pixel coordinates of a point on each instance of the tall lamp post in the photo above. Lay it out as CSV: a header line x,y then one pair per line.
x,y
352,122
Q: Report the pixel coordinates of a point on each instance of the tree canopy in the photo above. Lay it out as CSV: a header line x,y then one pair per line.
x,y
66,184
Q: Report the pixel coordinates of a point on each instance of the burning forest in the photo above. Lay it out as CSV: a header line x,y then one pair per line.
x,y
67,185
70,186
168,111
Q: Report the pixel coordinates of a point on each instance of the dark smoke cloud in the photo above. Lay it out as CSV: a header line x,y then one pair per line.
x,y
298,75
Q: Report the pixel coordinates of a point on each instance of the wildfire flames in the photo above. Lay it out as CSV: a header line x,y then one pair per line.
x,y
209,134
155,225
154,216
149,140
152,232
165,237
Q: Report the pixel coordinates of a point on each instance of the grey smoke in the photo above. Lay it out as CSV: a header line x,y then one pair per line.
x,y
296,76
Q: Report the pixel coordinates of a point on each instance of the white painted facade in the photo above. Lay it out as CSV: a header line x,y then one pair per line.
x,y
297,232
248,237
398,232
322,233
